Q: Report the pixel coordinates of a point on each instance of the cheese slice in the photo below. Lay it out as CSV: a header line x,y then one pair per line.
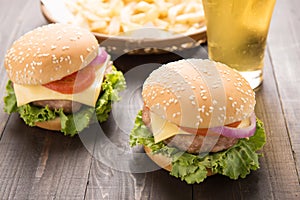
x,y
163,129
28,93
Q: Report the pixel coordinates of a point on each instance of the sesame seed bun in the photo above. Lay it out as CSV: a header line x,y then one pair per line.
x,y
49,53
54,125
198,93
165,162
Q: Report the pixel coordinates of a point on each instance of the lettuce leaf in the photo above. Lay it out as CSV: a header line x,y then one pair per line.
x,y
234,162
73,123
10,101
111,86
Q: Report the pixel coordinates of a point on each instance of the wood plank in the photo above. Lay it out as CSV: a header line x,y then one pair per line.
x,y
110,177
108,183
40,164
278,158
284,49
17,18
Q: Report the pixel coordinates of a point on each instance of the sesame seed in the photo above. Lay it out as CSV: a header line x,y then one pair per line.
x,y
43,55
65,48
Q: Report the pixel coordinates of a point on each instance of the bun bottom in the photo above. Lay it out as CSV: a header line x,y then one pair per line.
x,y
165,162
53,125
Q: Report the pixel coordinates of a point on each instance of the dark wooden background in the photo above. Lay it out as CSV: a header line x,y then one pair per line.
x,y
39,164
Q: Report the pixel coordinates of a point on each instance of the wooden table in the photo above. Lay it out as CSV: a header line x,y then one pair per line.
x,y
39,164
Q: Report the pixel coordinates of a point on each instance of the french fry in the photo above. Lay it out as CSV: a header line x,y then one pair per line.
x,y
113,17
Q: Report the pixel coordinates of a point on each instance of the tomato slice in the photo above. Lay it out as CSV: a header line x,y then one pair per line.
x,y
74,83
203,131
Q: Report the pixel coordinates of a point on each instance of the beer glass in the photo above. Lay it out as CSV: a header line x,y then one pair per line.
x,y
237,32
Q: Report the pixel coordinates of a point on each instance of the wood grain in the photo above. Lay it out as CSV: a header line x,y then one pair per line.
x,y
40,164
284,43
111,179
107,183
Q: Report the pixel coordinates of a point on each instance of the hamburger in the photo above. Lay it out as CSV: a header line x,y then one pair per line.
x,y
198,120
60,79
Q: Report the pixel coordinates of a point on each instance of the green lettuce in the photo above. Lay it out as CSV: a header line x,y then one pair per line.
x,y
73,123
111,86
234,162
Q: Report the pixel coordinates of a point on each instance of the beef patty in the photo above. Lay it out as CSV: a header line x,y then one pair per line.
x,y
194,143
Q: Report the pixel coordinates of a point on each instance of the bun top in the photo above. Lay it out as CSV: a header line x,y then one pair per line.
x,y
49,53
198,93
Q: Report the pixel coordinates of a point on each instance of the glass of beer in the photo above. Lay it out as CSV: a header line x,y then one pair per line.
x,y
237,32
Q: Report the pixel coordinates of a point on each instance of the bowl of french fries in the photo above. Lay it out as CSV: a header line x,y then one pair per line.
x,y
134,26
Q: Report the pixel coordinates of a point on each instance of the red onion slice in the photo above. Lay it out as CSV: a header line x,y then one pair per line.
x,y
237,132
100,58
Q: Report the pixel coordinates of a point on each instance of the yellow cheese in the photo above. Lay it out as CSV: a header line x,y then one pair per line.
x,y
27,93
162,129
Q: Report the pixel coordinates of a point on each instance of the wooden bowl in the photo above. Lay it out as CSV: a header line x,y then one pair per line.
x,y
122,44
